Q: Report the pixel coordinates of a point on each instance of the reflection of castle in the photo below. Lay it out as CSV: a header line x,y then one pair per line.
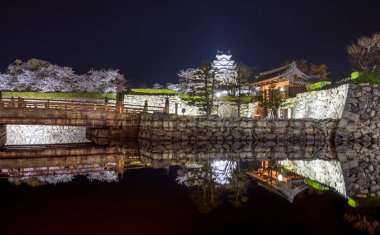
x,y
273,178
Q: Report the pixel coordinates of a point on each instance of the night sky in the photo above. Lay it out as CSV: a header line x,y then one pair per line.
x,y
152,40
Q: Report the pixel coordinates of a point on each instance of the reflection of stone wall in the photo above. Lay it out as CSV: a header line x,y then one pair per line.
x,y
35,134
352,170
189,152
225,109
361,115
321,104
172,127
325,172
361,169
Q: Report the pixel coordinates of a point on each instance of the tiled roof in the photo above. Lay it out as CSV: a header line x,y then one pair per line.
x,y
287,71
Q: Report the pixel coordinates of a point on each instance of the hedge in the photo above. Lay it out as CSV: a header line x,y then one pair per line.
x,y
366,77
152,91
317,86
58,95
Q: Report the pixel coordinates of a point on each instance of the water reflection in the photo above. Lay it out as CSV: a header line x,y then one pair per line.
x,y
214,173
276,179
52,164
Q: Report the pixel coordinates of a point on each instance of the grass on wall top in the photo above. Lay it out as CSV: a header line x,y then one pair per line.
x,y
366,77
152,91
317,86
58,95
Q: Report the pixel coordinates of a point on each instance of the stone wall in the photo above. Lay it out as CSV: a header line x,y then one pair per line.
x,y
225,109
357,106
360,120
321,104
199,128
3,135
35,134
229,109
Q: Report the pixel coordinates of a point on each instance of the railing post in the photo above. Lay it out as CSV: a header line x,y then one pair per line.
x,y
145,106
119,106
47,104
12,103
176,108
166,109
19,102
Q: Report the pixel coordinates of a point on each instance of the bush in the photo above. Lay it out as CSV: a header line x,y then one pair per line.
x,y
58,95
152,91
366,77
317,86
244,99
316,185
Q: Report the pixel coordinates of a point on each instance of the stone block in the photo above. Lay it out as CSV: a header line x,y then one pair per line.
x,y
351,116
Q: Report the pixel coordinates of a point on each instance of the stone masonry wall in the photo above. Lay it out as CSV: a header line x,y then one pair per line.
x,y
360,120
3,135
225,109
321,104
159,126
35,134
357,106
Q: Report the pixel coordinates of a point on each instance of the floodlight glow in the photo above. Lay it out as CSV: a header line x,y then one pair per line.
x,y
279,177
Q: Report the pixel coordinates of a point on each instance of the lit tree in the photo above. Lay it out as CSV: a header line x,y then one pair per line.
x,y
42,76
363,220
104,81
321,70
272,100
244,72
200,85
364,55
7,82
238,189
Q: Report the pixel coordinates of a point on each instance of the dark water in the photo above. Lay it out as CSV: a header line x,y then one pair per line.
x,y
181,189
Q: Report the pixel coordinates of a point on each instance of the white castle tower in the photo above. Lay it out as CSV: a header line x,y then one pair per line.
x,y
224,68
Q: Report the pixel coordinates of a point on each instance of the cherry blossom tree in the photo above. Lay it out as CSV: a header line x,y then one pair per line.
x,y
42,76
200,85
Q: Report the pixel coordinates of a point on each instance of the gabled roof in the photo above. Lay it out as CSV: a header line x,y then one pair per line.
x,y
287,72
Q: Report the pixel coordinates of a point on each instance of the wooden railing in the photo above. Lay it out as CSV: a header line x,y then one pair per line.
x,y
75,105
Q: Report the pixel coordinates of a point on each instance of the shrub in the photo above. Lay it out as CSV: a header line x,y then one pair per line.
x,y
152,91
366,77
244,99
317,86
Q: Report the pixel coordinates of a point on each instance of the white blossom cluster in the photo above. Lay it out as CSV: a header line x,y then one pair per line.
x,y
41,76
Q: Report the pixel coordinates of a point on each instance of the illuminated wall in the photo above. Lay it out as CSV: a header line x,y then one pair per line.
x,y
38,134
321,104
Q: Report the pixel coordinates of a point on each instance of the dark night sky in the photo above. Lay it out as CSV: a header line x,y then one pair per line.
x,y
152,40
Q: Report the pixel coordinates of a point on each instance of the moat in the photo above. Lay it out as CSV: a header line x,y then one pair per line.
x,y
189,188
